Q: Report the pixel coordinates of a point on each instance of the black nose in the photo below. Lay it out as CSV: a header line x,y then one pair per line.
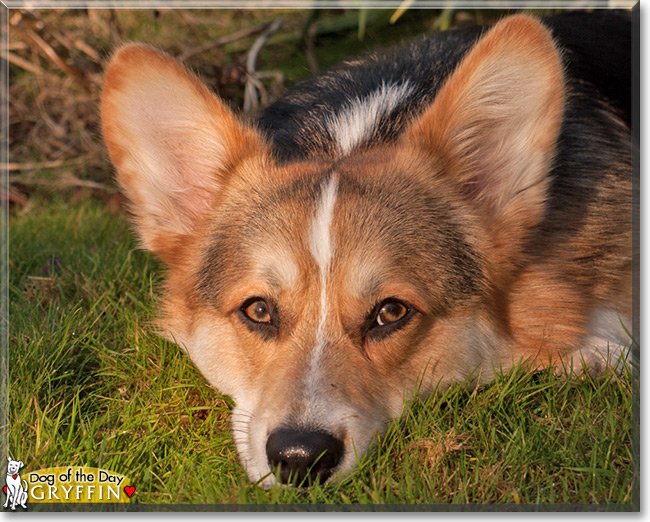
x,y
303,454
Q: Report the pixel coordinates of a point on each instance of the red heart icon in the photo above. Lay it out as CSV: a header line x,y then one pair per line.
x,y
14,476
129,490
4,488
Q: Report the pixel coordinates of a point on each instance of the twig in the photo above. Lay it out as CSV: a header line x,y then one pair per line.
x,y
70,42
58,61
17,46
22,63
256,86
43,164
250,95
403,7
276,76
444,20
67,179
314,15
363,20
238,35
309,47
12,196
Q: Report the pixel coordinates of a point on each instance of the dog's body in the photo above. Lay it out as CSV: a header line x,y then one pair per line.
x,y
16,487
406,221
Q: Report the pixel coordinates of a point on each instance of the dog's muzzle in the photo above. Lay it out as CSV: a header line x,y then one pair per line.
x,y
303,454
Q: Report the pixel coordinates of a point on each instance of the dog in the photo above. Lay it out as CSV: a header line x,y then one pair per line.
x,y
415,218
16,488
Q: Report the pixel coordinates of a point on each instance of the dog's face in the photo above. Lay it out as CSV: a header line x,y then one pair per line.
x,y
321,295
317,311
13,466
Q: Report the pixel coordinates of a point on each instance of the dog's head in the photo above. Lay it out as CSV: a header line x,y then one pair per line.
x,y
13,466
322,294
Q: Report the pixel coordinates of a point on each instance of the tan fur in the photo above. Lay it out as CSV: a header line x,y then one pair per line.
x,y
484,298
497,139
186,147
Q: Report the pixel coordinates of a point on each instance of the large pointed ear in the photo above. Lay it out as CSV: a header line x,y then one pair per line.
x,y
172,141
496,120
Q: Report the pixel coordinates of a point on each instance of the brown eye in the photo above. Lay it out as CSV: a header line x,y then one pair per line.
x,y
258,311
260,316
387,317
391,312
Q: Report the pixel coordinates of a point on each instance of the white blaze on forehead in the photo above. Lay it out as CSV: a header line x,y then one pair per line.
x,y
322,249
356,122
320,240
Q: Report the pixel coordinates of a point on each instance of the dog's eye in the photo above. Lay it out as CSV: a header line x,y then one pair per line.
x,y
391,312
260,316
257,311
388,316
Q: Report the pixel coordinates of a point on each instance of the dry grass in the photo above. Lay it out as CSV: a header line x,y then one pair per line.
x,y
57,60
247,57
54,89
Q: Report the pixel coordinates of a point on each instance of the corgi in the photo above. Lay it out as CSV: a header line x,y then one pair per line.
x,y
415,218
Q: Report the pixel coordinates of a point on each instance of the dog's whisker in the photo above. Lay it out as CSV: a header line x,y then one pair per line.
x,y
402,223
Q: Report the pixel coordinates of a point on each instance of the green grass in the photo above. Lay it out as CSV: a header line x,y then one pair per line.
x,y
91,384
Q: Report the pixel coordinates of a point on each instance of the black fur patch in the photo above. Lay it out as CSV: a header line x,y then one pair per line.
x,y
596,47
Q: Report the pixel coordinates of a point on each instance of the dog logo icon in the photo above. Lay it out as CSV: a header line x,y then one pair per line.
x,y
15,488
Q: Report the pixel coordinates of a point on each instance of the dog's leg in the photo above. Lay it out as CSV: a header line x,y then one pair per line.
x,y
23,499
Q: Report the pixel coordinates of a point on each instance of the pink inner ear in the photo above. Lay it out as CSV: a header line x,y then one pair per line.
x,y
497,118
173,142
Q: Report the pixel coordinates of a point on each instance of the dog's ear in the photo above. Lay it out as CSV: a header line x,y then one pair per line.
x,y
496,120
173,142
9,459
21,464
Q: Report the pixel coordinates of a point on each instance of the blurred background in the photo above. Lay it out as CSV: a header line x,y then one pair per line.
x,y
247,56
